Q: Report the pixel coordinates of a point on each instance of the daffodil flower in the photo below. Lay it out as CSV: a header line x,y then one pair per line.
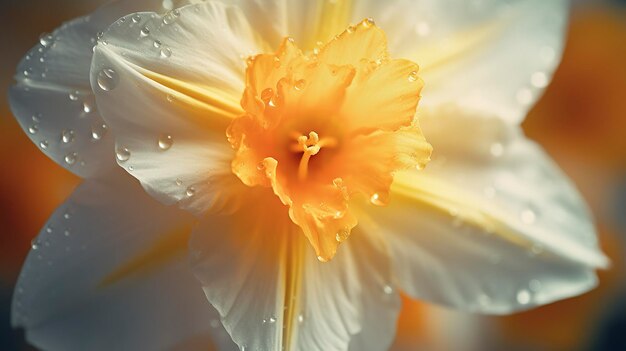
x,y
284,143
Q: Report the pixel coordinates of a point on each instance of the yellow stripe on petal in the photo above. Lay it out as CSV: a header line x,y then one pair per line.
x,y
332,17
432,194
169,247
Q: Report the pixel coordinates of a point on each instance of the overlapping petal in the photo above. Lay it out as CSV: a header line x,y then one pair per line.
x,y
168,86
109,272
273,293
491,225
53,100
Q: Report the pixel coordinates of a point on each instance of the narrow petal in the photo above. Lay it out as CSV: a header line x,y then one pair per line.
x,y
168,86
109,272
491,56
273,294
492,225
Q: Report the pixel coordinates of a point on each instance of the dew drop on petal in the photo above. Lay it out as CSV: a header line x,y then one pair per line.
x,y
46,39
34,244
144,32
67,136
322,258
535,285
157,44
33,129
74,95
378,200
342,235
165,142
368,22
300,84
413,76
70,158
87,108
136,18
523,297
98,130
387,289
122,154
166,52
179,182
107,79
43,144
191,191
300,318
272,319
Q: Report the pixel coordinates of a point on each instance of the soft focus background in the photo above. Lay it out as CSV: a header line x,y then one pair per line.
x,y
581,122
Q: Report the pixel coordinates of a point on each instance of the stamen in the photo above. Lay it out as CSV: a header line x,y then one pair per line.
x,y
310,146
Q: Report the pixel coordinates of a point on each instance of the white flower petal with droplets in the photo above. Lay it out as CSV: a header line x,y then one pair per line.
x,y
82,287
168,89
491,225
53,100
492,56
273,294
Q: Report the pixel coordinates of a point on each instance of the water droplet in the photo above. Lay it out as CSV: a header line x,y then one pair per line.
x,y
34,244
74,95
136,18
179,182
378,200
46,39
535,285
67,136
144,32
342,234
157,44
67,215
539,80
523,297
107,79
33,129
122,154
528,216
165,142
28,72
388,289
412,77
87,108
322,258
98,130
191,191
351,29
272,319
267,94
70,158
368,22
166,52
131,168
43,144
300,84
36,118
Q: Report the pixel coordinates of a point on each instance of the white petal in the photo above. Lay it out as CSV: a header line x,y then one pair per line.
x,y
274,294
488,55
52,99
169,86
66,298
492,225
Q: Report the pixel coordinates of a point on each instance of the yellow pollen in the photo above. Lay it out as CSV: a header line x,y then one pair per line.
x,y
309,146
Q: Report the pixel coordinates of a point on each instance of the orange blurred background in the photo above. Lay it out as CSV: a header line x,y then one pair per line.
x,y
581,122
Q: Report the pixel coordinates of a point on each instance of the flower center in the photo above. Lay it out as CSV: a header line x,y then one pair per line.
x,y
310,146
323,127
